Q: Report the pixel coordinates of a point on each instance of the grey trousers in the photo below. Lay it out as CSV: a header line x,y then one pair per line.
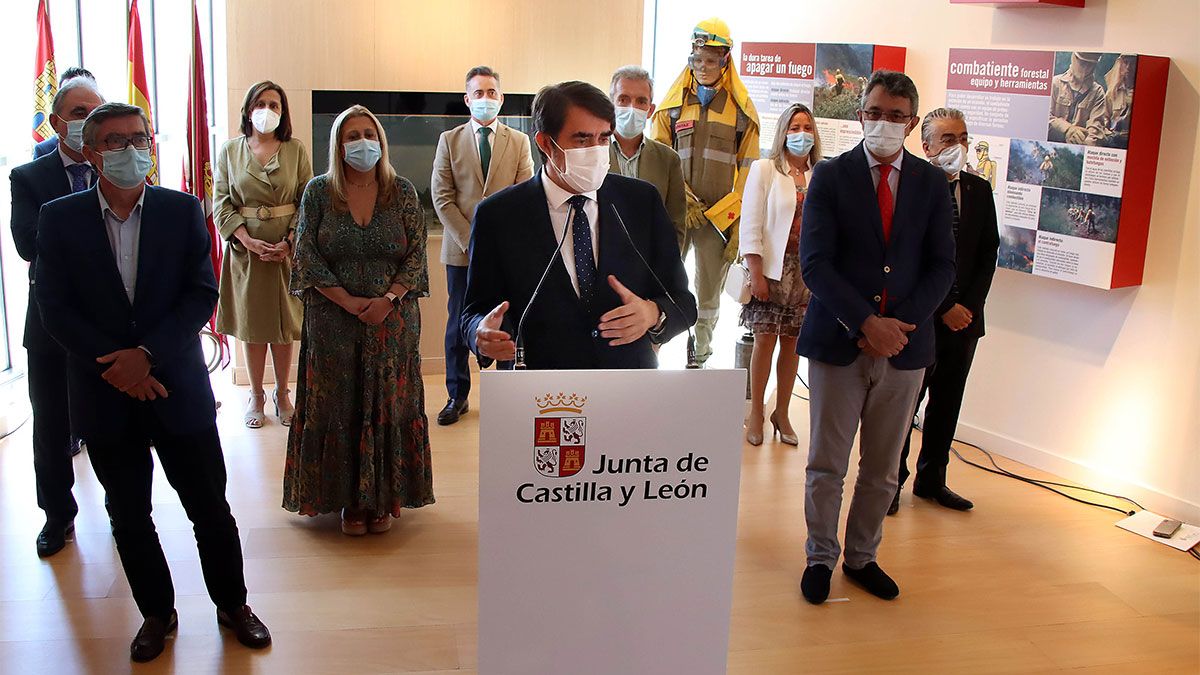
x,y
881,398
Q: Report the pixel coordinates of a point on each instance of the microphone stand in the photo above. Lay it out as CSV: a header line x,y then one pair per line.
x,y
692,364
518,339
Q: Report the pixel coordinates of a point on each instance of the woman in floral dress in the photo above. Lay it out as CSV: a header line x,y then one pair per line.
x,y
359,441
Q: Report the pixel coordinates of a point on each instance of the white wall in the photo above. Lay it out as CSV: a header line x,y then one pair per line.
x,y
1097,386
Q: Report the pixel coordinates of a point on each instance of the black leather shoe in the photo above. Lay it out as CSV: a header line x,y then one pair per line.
x,y
815,583
895,506
454,409
151,638
53,537
945,497
250,631
873,579
76,446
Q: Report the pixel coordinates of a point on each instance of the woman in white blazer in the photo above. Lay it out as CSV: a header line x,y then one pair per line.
x,y
772,204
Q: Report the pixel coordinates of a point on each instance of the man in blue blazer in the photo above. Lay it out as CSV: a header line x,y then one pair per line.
x,y
600,305
49,145
63,171
125,284
877,252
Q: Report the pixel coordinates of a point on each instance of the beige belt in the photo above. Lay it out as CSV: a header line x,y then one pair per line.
x,y
267,212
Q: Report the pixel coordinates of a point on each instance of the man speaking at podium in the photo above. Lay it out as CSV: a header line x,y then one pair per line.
x,y
588,258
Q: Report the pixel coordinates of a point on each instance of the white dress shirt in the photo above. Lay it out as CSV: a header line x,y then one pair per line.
x,y
67,161
556,199
893,177
123,236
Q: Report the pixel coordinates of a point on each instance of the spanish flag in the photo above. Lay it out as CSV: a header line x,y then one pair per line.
x,y
139,92
45,83
197,164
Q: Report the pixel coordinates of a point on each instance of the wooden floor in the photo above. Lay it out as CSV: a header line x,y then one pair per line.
x,y
1028,582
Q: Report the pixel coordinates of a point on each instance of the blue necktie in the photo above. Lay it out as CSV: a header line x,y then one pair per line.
x,y
79,176
585,260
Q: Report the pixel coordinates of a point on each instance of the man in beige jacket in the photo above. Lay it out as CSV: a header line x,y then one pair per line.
x,y
473,161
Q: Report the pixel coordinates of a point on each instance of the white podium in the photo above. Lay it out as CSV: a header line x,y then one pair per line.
x,y
607,520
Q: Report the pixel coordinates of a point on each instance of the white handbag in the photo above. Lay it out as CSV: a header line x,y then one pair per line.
x,y
737,283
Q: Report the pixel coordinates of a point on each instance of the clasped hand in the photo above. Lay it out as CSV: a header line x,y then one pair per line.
x,y
130,374
371,311
884,336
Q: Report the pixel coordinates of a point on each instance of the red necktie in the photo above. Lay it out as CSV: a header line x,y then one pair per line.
x,y
886,205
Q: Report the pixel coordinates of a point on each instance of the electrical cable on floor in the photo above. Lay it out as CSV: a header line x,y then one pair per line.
x,y
1036,482
16,428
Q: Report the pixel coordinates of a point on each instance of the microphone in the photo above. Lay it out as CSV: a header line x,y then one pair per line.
x,y
692,364
519,359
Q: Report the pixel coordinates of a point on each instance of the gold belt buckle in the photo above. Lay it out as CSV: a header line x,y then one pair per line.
x,y
263,213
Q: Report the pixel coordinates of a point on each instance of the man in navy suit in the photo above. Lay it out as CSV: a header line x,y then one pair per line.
x,y
49,145
63,171
600,306
876,250
125,284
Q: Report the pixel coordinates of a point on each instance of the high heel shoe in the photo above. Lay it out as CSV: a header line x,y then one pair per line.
x,y
754,433
789,439
285,414
254,416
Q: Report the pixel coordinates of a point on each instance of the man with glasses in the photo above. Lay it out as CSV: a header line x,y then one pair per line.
x,y
125,284
708,118
877,252
59,173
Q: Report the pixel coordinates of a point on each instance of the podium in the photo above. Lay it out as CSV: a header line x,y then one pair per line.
x,y
607,520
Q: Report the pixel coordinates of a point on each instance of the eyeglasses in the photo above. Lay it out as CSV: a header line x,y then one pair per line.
x,y
875,114
702,61
113,142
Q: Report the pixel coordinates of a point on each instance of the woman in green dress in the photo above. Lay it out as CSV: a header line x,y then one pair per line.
x,y
259,178
359,442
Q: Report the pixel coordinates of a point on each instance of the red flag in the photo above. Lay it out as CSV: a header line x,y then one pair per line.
x,y
139,92
45,82
197,163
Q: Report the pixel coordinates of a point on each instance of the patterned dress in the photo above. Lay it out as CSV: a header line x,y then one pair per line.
x,y
360,438
783,311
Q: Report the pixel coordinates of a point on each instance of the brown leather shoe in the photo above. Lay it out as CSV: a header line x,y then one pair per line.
x,y
250,631
151,638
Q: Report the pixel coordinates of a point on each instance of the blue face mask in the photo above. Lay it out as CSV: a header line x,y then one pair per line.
x,y
800,143
706,94
630,122
362,154
126,168
485,109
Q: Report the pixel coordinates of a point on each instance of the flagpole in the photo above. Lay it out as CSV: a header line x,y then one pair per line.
x,y
79,30
153,57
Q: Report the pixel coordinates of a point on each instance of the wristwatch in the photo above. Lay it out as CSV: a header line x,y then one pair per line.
x,y
657,330
393,298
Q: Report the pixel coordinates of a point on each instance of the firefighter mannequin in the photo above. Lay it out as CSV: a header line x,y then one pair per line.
x,y
708,118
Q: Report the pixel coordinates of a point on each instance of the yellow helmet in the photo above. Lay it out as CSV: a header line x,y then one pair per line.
x,y
712,33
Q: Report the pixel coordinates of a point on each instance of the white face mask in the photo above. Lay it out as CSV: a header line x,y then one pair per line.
x,y
950,160
883,138
74,137
265,120
585,167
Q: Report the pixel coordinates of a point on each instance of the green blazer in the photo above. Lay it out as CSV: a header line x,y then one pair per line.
x,y
659,165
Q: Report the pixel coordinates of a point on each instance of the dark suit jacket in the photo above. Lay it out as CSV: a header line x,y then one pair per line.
x,y
512,240
977,243
34,184
45,147
847,266
85,308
